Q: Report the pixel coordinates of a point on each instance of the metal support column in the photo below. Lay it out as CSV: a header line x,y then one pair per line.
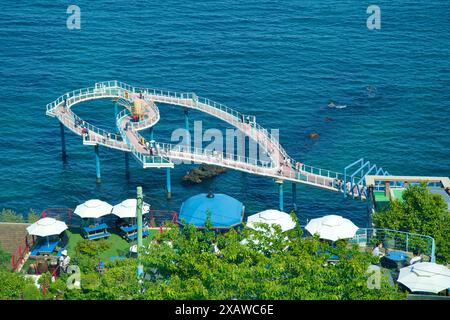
x,y
186,119
63,142
186,126
169,188
151,133
294,196
97,163
116,112
280,193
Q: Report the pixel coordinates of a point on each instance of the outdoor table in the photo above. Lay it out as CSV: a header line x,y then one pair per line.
x,y
129,228
44,248
134,235
97,232
397,256
131,232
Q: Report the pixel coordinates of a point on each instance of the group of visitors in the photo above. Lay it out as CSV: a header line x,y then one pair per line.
x,y
417,256
151,146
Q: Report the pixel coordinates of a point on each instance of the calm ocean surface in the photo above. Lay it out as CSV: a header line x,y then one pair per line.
x,y
279,60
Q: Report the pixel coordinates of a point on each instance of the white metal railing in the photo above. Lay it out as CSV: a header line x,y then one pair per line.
x,y
94,134
116,89
396,240
185,152
144,159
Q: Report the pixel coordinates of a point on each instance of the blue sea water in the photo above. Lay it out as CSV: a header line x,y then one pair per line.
x,y
280,60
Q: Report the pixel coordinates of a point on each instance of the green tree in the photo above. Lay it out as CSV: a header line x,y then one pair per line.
x,y
87,253
16,287
33,216
183,266
420,212
8,215
181,263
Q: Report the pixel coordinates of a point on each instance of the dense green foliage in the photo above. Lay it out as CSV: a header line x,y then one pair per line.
x,y
420,212
15,286
88,253
8,215
33,216
181,263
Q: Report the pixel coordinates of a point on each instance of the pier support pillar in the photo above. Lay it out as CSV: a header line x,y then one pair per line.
x,y
186,119
97,163
169,187
127,165
186,126
280,193
116,112
294,196
63,142
151,133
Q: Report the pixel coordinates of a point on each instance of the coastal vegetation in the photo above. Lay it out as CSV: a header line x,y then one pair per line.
x,y
186,263
8,215
422,212
16,287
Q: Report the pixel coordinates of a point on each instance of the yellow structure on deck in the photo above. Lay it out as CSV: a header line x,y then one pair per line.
x,y
137,110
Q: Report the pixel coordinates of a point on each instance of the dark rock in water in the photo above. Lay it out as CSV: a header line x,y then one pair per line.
x,y
204,171
328,119
313,135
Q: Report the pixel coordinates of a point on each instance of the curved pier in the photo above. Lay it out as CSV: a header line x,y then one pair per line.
x,y
281,166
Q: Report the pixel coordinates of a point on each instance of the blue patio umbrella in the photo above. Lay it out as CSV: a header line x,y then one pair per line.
x,y
225,211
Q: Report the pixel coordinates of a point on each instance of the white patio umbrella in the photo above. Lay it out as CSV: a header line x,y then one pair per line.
x,y
127,208
93,209
332,227
46,227
271,217
425,277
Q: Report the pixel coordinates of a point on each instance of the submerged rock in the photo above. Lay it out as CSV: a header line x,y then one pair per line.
x,y
204,171
313,135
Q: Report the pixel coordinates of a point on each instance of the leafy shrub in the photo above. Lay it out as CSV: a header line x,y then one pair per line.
x,y
420,212
91,248
33,216
8,215
15,286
